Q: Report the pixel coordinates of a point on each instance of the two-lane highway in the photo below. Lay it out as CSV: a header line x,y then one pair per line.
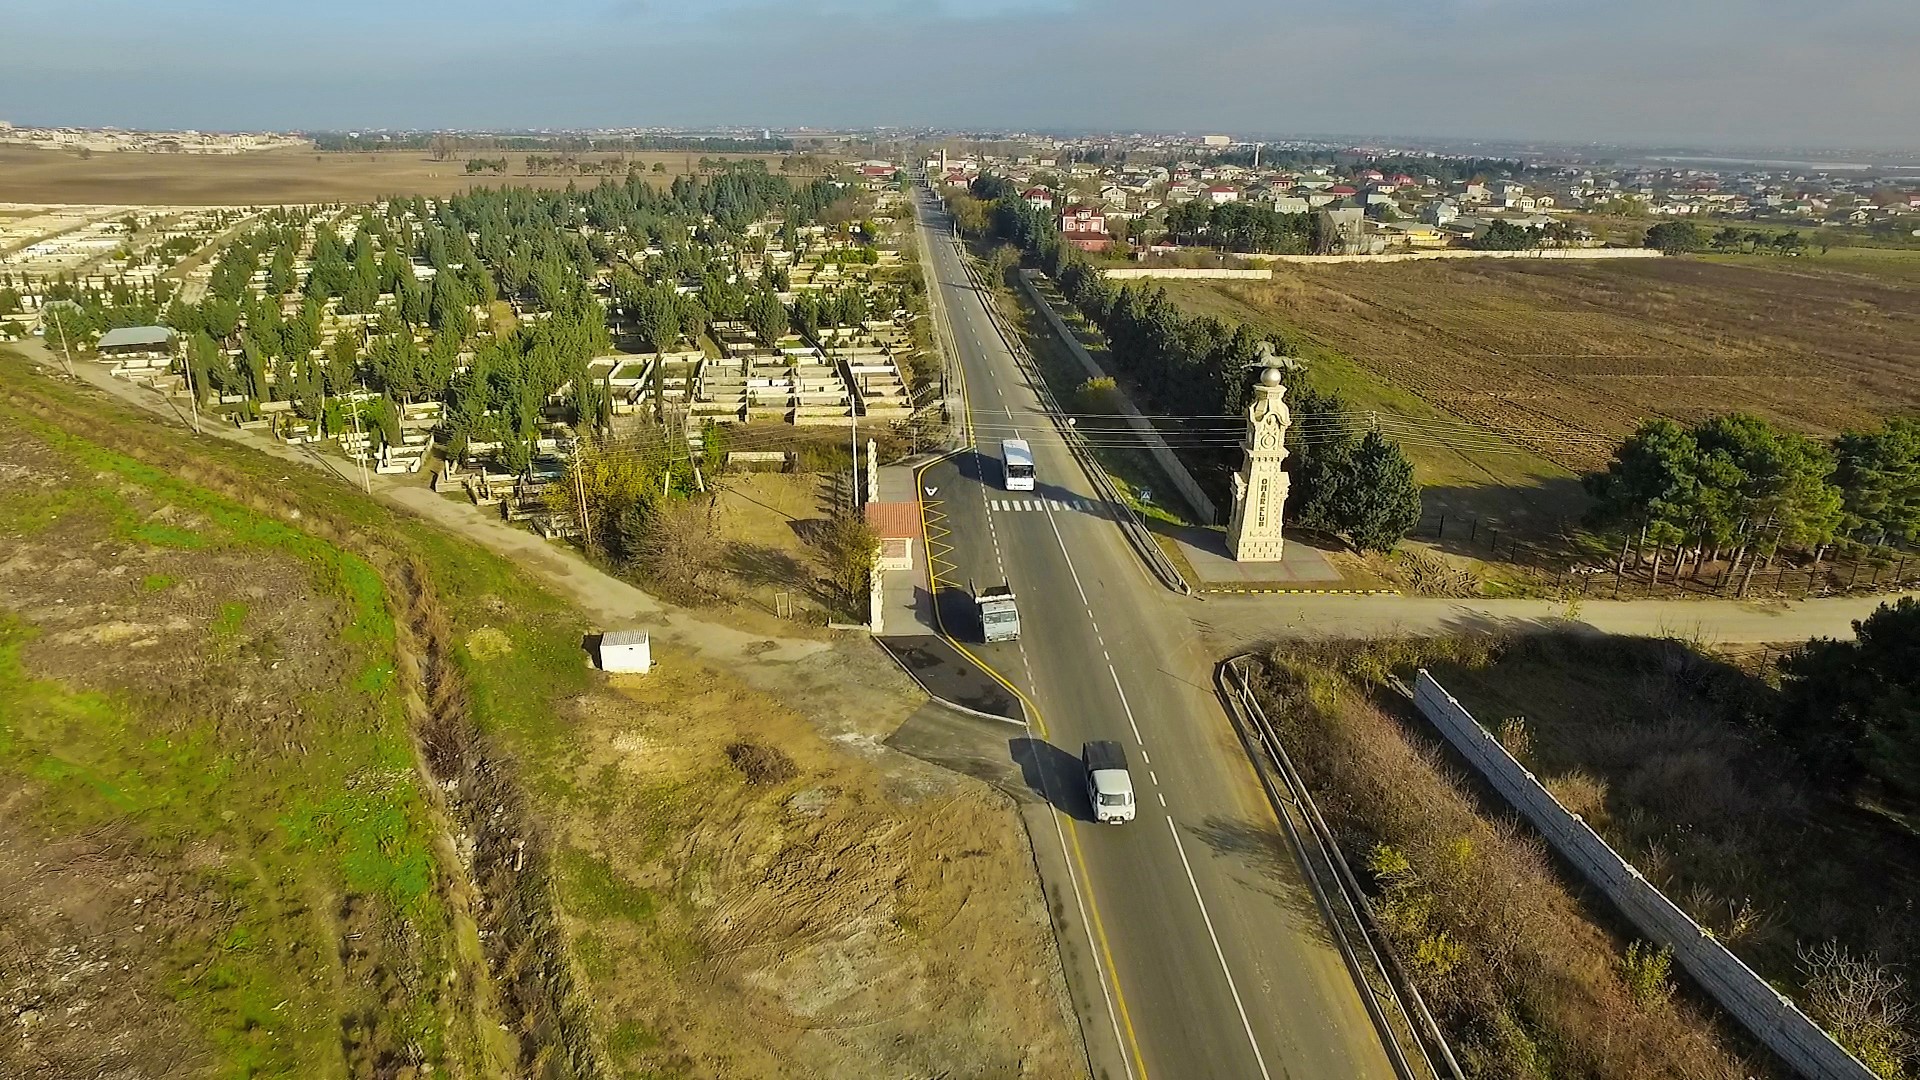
x,y
1211,957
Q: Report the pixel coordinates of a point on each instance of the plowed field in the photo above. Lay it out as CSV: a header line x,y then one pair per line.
x,y
1552,352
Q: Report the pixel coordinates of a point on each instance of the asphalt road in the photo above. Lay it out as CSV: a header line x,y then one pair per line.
x,y
1209,956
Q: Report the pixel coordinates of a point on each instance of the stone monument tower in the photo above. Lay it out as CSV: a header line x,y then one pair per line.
x,y
1260,487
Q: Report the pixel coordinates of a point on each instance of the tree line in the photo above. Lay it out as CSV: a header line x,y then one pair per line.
x,y
1239,226
448,145
1734,486
1503,235
1357,486
1684,237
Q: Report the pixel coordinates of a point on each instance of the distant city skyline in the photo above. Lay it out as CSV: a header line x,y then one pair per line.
x,y
1635,72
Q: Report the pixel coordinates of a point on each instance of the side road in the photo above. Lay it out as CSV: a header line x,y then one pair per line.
x,y
1234,623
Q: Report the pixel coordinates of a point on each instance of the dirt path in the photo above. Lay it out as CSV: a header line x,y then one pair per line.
x,y
845,683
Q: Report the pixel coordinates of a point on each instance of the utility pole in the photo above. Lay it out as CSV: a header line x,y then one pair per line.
x,y
580,493
365,483
64,351
193,398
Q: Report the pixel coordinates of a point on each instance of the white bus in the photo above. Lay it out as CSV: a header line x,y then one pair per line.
x,y
1016,464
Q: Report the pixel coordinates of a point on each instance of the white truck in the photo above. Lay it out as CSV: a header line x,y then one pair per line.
x,y
1109,785
999,619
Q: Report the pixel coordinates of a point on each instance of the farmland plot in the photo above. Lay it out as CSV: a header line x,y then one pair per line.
x,y
1558,353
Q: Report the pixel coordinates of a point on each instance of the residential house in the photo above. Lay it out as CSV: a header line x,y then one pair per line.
x,y
1344,230
1222,193
1085,228
1038,197
1413,234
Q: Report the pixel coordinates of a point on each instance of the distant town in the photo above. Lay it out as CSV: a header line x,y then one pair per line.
x,y
114,140
1128,195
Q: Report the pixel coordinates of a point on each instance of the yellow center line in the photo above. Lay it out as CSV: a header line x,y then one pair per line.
x,y
1039,724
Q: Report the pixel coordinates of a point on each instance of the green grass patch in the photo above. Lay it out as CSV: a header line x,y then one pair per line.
x,y
233,615
592,889
172,536
94,765
629,1038
344,817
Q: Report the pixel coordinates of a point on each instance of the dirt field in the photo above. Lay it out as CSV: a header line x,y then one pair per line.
x,y
766,518
1555,351
749,898
278,176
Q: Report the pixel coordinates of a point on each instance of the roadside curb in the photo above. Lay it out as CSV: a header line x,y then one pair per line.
x,y
1307,592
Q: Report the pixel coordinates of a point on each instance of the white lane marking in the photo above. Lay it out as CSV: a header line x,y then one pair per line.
x,y
1217,951
1062,541
1145,758
1163,800
1154,776
1128,709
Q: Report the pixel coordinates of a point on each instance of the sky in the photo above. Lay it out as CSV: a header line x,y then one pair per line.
x,y
1704,73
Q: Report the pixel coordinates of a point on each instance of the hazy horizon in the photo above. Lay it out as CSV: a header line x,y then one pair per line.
x,y
1640,74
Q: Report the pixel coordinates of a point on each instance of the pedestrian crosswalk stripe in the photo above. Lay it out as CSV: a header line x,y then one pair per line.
x,y
1084,506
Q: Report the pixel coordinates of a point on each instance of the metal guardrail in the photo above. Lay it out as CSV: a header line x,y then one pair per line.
x,y
1412,1038
1139,537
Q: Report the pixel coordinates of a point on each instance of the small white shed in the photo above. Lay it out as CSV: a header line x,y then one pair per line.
x,y
626,651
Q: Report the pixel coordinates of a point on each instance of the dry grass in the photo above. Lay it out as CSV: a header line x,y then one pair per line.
x,y
1665,752
281,176
1598,347
1526,981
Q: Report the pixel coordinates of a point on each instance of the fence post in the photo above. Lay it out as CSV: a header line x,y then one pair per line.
x,y
1441,532
1474,533
1856,573
1493,545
